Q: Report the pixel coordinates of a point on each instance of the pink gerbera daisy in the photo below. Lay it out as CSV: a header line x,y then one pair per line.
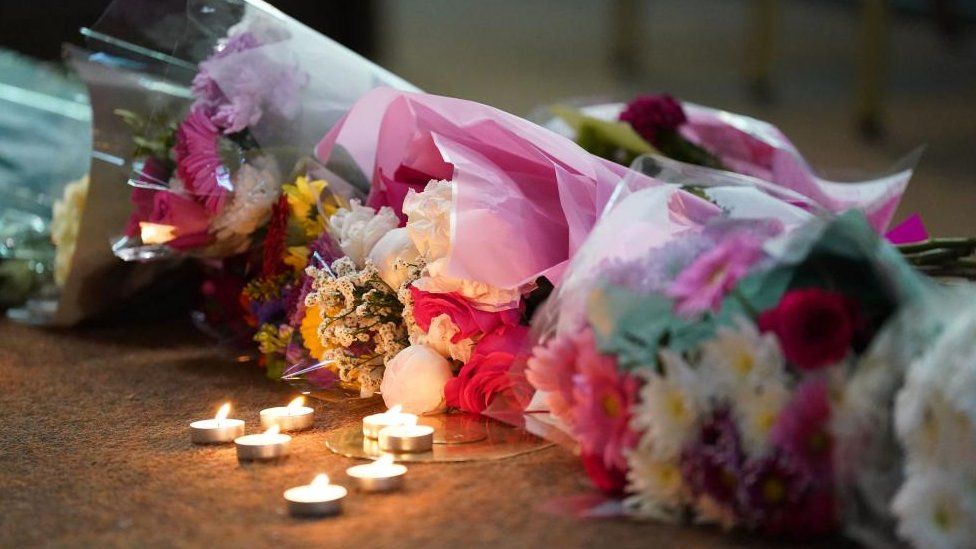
x,y
603,398
198,162
703,284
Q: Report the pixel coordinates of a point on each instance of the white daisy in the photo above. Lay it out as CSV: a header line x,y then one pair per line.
x,y
756,409
739,356
656,486
936,510
669,407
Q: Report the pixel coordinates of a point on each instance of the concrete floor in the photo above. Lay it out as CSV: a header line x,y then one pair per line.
x,y
518,55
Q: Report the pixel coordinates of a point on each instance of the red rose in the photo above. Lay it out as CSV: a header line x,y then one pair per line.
x,y
487,371
470,321
609,480
815,327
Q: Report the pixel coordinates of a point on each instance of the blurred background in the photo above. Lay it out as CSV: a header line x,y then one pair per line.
x,y
855,84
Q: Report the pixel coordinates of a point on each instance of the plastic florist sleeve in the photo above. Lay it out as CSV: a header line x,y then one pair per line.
x,y
698,373
238,93
421,292
712,138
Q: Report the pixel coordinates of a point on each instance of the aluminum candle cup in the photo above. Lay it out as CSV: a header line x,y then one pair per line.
x,y
412,439
294,417
372,425
380,476
266,446
318,499
218,430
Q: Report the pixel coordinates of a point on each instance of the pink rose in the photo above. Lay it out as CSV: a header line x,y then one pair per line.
x,y
469,321
487,372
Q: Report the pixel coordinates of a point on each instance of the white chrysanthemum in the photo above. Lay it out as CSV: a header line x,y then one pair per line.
x,y
256,187
739,357
669,407
65,224
756,409
358,228
429,226
438,338
656,487
934,411
937,510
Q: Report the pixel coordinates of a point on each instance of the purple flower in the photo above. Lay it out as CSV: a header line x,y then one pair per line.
x,y
239,81
703,284
711,466
205,86
651,114
771,491
803,427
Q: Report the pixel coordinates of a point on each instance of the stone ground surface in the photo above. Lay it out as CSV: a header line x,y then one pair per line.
x,y
94,452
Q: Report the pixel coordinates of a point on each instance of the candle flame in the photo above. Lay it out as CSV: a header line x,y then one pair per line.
x,y
320,480
384,461
297,403
222,412
273,430
395,410
154,233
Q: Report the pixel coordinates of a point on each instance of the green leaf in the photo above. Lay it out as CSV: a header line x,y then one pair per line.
x,y
615,141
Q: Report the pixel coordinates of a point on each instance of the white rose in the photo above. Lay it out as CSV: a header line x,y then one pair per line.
x,y
429,219
394,245
359,228
415,379
438,338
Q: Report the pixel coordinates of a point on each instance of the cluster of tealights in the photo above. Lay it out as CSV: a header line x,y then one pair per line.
x,y
395,431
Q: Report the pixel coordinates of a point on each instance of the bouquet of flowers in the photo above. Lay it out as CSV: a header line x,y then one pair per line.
x,y
699,374
243,92
711,138
421,289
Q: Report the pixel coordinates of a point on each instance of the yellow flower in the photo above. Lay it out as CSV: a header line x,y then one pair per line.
x,y
310,332
296,257
303,201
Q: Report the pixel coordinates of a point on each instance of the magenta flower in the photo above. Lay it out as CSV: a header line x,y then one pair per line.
x,y
703,284
651,114
603,397
803,427
712,465
198,163
771,492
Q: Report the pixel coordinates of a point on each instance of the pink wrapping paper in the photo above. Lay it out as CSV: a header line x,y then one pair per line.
x,y
525,197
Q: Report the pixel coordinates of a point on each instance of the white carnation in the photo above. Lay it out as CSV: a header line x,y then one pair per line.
x,y
256,187
429,226
438,337
359,228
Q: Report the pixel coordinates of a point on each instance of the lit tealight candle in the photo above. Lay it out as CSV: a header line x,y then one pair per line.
x,y
266,446
381,475
407,438
372,425
294,417
217,430
318,499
